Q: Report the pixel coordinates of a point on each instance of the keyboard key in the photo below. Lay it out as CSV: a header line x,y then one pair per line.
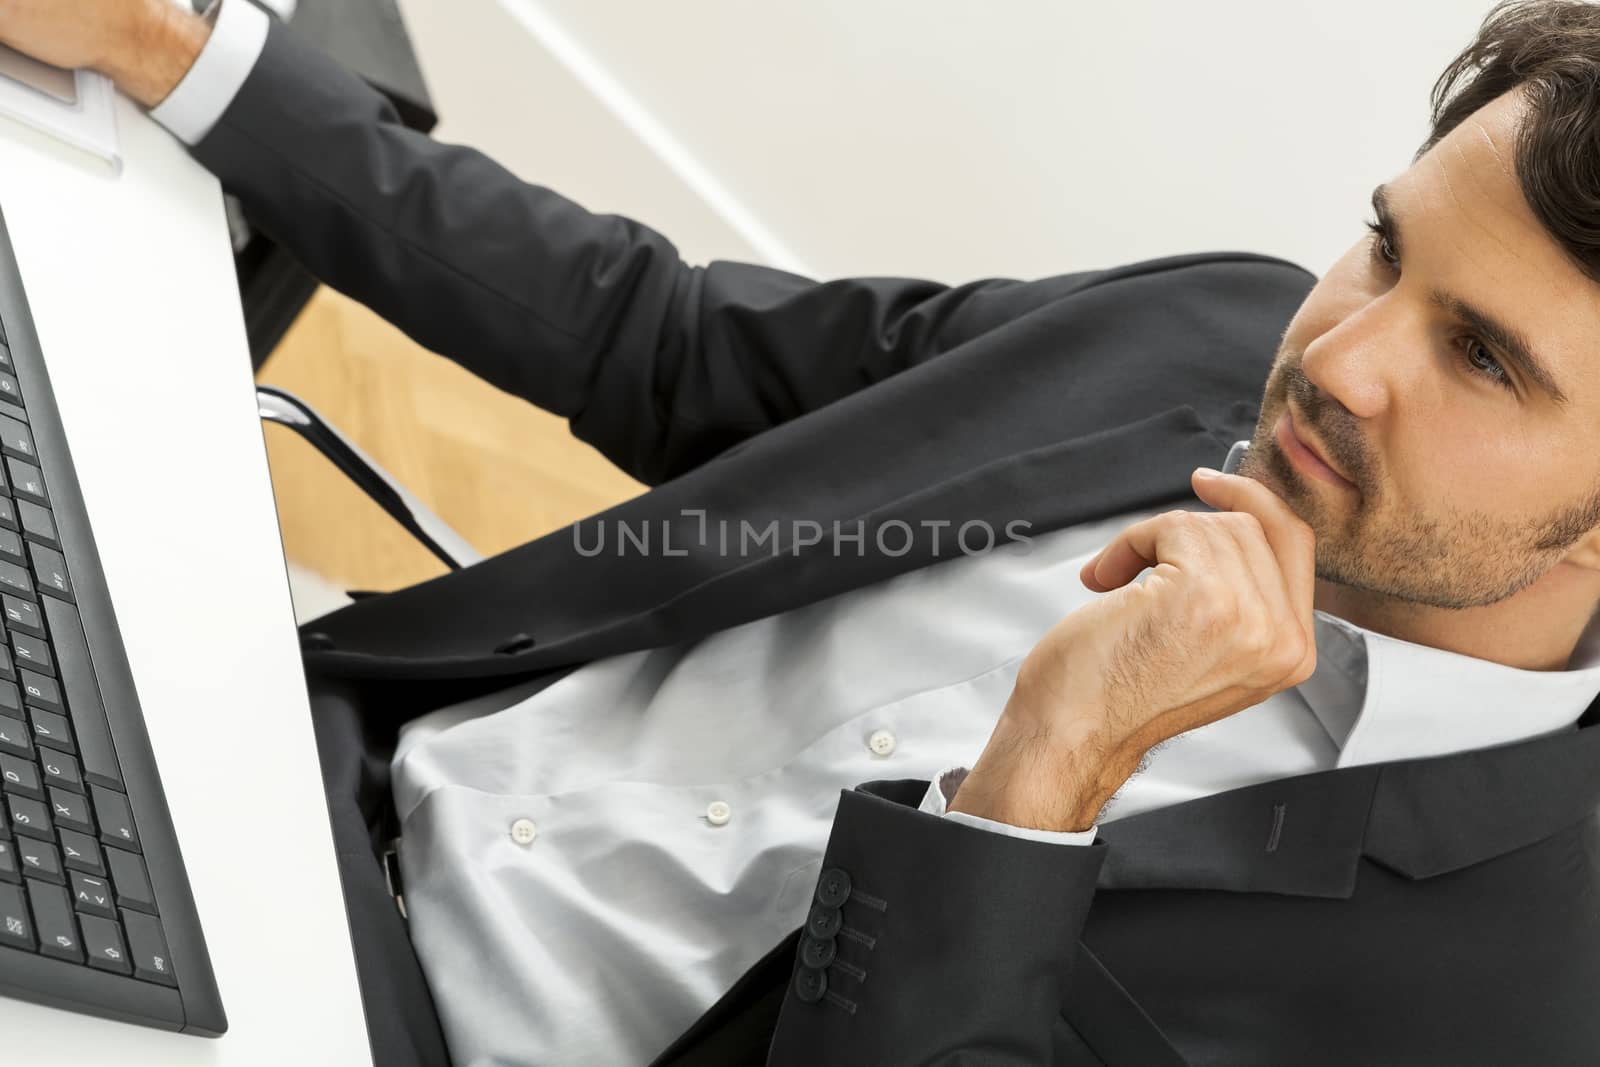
x,y
15,737
9,869
37,523
39,691
83,695
10,391
11,701
11,548
15,579
6,363
116,819
31,652
21,615
148,946
80,852
29,817
70,811
40,860
92,895
16,927
26,480
58,928
50,729
104,941
8,672
131,880
62,770
16,439
21,776
8,513
51,570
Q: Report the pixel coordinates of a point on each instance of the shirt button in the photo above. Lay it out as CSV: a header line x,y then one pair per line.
x,y
523,831
718,812
881,742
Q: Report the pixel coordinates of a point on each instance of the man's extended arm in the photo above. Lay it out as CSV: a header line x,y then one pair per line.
x,y
659,364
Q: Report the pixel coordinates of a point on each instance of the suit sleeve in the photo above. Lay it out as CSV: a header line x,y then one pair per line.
x,y
659,364
932,943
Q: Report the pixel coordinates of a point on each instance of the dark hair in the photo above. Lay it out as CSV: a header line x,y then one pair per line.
x,y
1552,47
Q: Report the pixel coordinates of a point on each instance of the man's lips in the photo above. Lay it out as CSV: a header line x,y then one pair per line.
x,y
1295,431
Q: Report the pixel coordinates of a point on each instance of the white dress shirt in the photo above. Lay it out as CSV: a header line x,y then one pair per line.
x,y
589,868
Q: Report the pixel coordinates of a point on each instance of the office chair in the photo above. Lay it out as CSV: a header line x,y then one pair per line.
x,y
286,409
419,1039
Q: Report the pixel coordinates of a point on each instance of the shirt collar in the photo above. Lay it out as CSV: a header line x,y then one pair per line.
x,y
1381,698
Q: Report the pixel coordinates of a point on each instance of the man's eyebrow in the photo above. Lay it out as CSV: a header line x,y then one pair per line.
x,y
1506,338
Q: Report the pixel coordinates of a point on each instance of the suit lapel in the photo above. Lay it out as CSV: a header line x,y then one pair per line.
x,y
627,603
1307,835
1300,836
1431,817
1045,489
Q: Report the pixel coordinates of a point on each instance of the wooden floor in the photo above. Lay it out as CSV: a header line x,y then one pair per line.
x,y
497,469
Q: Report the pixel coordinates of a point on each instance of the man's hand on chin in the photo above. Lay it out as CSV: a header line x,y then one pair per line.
x,y
1223,621
145,46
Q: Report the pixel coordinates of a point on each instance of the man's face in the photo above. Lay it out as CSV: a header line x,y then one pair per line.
x,y
1461,491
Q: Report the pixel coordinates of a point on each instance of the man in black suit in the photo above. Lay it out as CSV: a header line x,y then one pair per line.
x,y
1422,476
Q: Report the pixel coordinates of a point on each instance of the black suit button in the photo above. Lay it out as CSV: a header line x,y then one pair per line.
x,y
818,952
833,888
316,641
823,921
515,644
810,984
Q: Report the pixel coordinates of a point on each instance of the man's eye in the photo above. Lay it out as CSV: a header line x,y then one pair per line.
x,y
1497,375
1383,257
1382,250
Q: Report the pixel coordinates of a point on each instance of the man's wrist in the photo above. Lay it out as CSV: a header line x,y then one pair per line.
x,y
1022,793
1043,779
156,50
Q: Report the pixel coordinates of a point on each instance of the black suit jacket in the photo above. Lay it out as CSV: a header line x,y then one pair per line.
x,y
1438,911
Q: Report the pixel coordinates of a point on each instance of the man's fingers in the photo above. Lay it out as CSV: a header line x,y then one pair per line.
x,y
1258,567
1157,539
1140,545
1292,541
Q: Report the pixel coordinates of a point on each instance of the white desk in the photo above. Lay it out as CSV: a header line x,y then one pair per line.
x,y
132,289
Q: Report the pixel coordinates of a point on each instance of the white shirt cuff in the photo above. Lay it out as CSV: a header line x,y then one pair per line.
x,y
199,100
935,802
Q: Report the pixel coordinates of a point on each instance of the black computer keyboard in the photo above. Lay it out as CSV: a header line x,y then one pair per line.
x,y
96,914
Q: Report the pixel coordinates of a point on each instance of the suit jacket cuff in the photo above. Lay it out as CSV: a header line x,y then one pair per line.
x,y
929,940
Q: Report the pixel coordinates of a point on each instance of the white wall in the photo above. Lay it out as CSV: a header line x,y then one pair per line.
x,y
950,139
